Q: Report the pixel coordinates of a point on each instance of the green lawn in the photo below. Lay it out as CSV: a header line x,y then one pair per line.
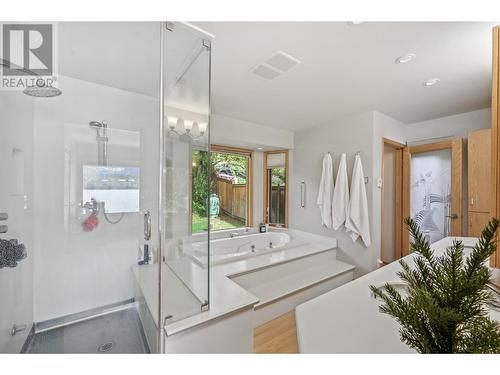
x,y
200,224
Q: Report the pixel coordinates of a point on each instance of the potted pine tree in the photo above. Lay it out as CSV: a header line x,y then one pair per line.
x,y
444,309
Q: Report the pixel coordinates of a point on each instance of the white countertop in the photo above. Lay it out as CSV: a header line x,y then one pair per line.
x,y
347,319
226,296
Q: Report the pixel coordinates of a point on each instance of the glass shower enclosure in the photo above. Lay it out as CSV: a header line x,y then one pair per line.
x,y
95,199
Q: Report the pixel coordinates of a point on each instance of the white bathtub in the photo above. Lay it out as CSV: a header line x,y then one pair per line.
x,y
226,250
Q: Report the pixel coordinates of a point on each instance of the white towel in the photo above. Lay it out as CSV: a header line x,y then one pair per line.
x,y
340,200
357,222
325,192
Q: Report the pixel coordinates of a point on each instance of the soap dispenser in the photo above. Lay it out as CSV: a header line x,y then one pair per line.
x,y
144,254
262,228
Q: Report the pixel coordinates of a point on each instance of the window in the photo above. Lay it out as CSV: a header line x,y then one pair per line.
x,y
275,188
116,187
229,189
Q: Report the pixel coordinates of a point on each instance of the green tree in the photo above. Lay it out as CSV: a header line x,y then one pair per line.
x,y
200,182
236,163
202,186
445,307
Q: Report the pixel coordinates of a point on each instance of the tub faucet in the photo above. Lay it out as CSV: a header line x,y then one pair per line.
x,y
244,244
233,234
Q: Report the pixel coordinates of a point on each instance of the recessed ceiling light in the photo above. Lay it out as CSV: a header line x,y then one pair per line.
x,y
259,148
354,23
431,82
405,58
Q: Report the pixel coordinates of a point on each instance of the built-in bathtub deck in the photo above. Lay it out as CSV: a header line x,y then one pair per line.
x,y
227,297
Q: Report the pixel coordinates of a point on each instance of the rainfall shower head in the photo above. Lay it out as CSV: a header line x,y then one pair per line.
x,y
42,91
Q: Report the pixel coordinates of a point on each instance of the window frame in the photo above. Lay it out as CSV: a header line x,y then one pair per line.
x,y
266,186
249,154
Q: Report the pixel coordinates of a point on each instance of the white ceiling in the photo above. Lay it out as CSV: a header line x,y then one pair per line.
x,y
345,69
124,55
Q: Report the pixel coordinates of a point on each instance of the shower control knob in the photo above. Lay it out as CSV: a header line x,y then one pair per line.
x,y
4,228
4,216
17,328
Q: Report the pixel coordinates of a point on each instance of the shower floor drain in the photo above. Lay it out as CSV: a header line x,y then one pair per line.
x,y
103,348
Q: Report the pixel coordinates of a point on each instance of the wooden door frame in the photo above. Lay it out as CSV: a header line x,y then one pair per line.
x,y
265,215
456,145
398,190
495,138
249,154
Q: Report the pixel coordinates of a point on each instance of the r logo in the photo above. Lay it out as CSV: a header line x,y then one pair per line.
x,y
27,49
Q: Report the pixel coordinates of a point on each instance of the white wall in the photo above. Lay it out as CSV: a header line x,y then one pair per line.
x,y
228,131
16,198
77,270
349,135
457,125
258,187
384,127
362,132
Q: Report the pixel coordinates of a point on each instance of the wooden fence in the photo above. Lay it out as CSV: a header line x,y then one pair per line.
x,y
232,198
277,205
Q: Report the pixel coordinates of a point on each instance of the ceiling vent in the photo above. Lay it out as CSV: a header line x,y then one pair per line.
x,y
276,65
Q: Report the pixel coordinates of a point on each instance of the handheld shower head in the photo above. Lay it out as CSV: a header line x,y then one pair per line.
x,y
101,128
98,124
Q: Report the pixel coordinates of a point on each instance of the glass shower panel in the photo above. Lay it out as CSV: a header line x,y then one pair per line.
x,y
431,193
186,132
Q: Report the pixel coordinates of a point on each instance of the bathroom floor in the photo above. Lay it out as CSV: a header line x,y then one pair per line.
x,y
277,336
118,332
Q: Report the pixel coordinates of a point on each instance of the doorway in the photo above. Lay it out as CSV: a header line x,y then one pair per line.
x,y
432,189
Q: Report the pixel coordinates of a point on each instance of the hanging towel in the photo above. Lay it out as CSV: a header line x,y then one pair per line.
x,y
357,222
340,200
325,192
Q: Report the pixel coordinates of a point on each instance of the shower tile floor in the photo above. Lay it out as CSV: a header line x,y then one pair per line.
x,y
117,332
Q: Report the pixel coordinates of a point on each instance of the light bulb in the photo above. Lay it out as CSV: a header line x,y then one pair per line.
x,y
172,122
188,125
202,127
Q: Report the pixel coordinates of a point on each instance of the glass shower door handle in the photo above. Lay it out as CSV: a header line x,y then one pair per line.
x,y
147,226
452,216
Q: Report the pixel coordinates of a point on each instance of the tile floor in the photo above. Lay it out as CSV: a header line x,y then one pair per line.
x,y
118,332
